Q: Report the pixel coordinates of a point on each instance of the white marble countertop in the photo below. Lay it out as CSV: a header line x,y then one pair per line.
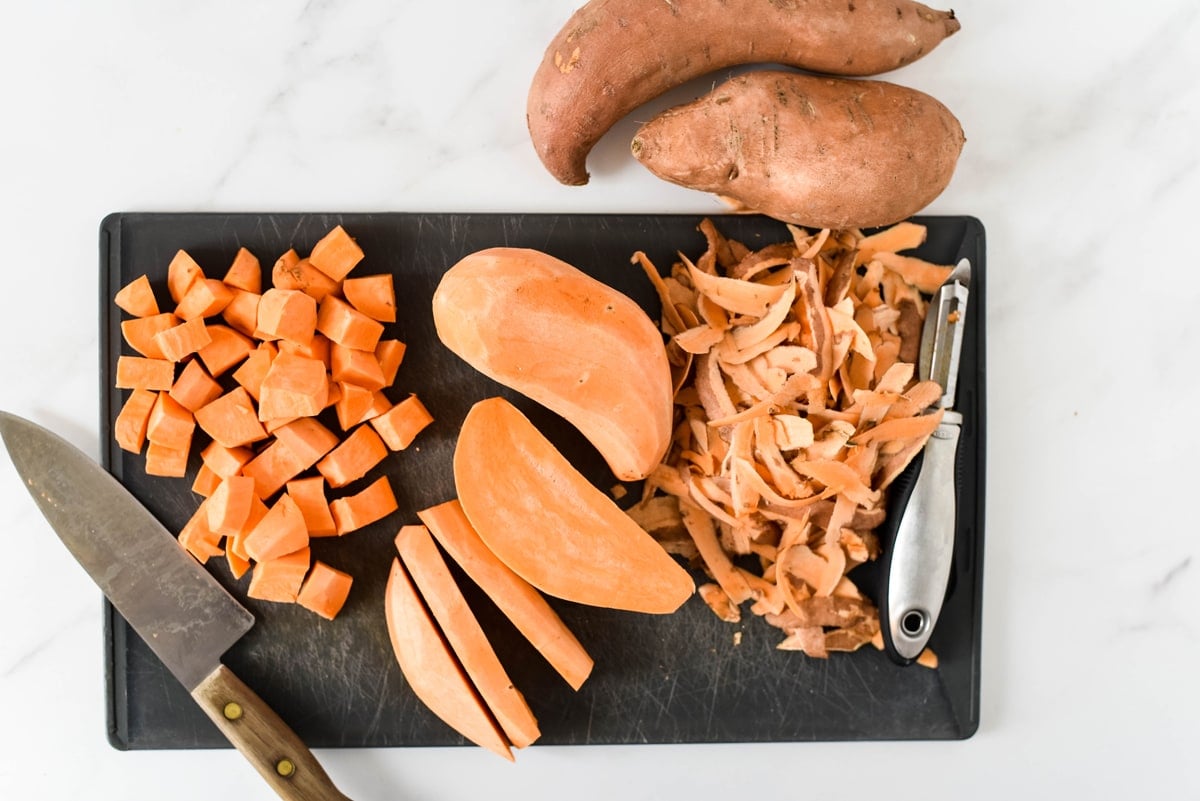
x,y
1082,123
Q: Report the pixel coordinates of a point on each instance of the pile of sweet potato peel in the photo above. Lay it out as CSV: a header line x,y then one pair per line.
x,y
797,404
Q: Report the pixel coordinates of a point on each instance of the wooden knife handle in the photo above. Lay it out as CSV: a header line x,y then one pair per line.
x,y
263,738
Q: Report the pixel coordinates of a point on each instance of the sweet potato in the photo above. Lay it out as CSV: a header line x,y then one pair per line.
x,y
137,298
434,674
140,332
280,579
184,339
353,512
544,520
614,55
325,590
130,426
818,152
575,345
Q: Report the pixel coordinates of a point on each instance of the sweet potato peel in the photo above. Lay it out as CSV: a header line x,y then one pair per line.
x,y
795,409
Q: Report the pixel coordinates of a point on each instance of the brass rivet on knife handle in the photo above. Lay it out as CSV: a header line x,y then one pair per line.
x,y
274,750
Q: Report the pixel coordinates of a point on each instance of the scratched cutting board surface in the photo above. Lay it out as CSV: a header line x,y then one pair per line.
x,y
673,679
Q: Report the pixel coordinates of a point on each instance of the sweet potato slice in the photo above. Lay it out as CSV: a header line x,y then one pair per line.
x,y
544,520
137,298
325,590
434,674
449,608
514,596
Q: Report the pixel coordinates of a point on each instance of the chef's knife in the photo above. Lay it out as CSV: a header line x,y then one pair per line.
x,y
182,613
918,534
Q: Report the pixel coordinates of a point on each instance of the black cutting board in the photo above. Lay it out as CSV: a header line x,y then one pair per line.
x,y
675,679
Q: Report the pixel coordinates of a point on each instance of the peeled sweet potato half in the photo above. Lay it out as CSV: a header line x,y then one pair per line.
x,y
572,343
614,55
543,519
818,152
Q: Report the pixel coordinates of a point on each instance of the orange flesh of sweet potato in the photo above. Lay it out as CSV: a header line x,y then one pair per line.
x,y
359,367
317,348
573,344
351,460
231,419
514,596
253,370
352,405
399,426
353,512
449,608
170,425
544,520
238,565
206,482
434,674
293,387
389,353
183,339
198,539
195,387
309,495
287,314
182,272
280,579
279,533
130,427
245,273
237,543
225,462
347,326
137,372
242,312
165,461
325,590
229,505
307,439
140,333
271,469
373,295
302,276
336,254
137,298
226,350
206,298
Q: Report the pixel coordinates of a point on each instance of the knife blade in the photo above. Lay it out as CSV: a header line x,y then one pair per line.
x,y
918,533
186,617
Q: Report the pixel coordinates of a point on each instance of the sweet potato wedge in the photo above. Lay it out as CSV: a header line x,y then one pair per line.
x,y
544,520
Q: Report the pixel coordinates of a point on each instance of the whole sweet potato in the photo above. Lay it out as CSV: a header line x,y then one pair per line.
x,y
614,55
819,152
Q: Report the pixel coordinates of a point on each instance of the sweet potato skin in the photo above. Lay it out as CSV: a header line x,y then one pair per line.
x,y
814,151
575,345
614,55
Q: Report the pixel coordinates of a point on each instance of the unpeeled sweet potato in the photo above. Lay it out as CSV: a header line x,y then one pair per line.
x,y
818,152
614,55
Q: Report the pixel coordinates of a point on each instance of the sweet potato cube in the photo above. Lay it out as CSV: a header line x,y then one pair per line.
x,y
140,333
182,272
245,273
303,276
195,387
231,419
280,532
372,295
309,495
229,505
137,372
238,565
325,590
183,339
253,370
198,539
205,298
336,254
170,424
242,312
166,462
389,353
307,439
359,367
352,406
225,462
317,348
226,350
347,326
130,426
399,426
206,482
280,579
351,460
293,387
237,543
287,314
363,508
273,468
137,298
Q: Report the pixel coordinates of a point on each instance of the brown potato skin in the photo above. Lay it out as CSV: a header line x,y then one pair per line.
x,y
614,55
814,151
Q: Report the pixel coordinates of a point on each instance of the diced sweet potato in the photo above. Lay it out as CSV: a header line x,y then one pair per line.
x,y
231,419
183,339
372,295
137,298
195,387
166,462
309,495
204,299
226,350
140,333
400,425
206,482
245,273
325,590
364,508
273,468
229,505
347,326
293,387
307,439
170,424
358,367
352,405
225,462
389,353
137,372
130,426
242,312
351,460
253,370
280,579
198,539
336,254
182,272
303,276
279,533
287,314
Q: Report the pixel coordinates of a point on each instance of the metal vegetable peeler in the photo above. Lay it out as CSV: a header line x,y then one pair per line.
x,y
918,534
